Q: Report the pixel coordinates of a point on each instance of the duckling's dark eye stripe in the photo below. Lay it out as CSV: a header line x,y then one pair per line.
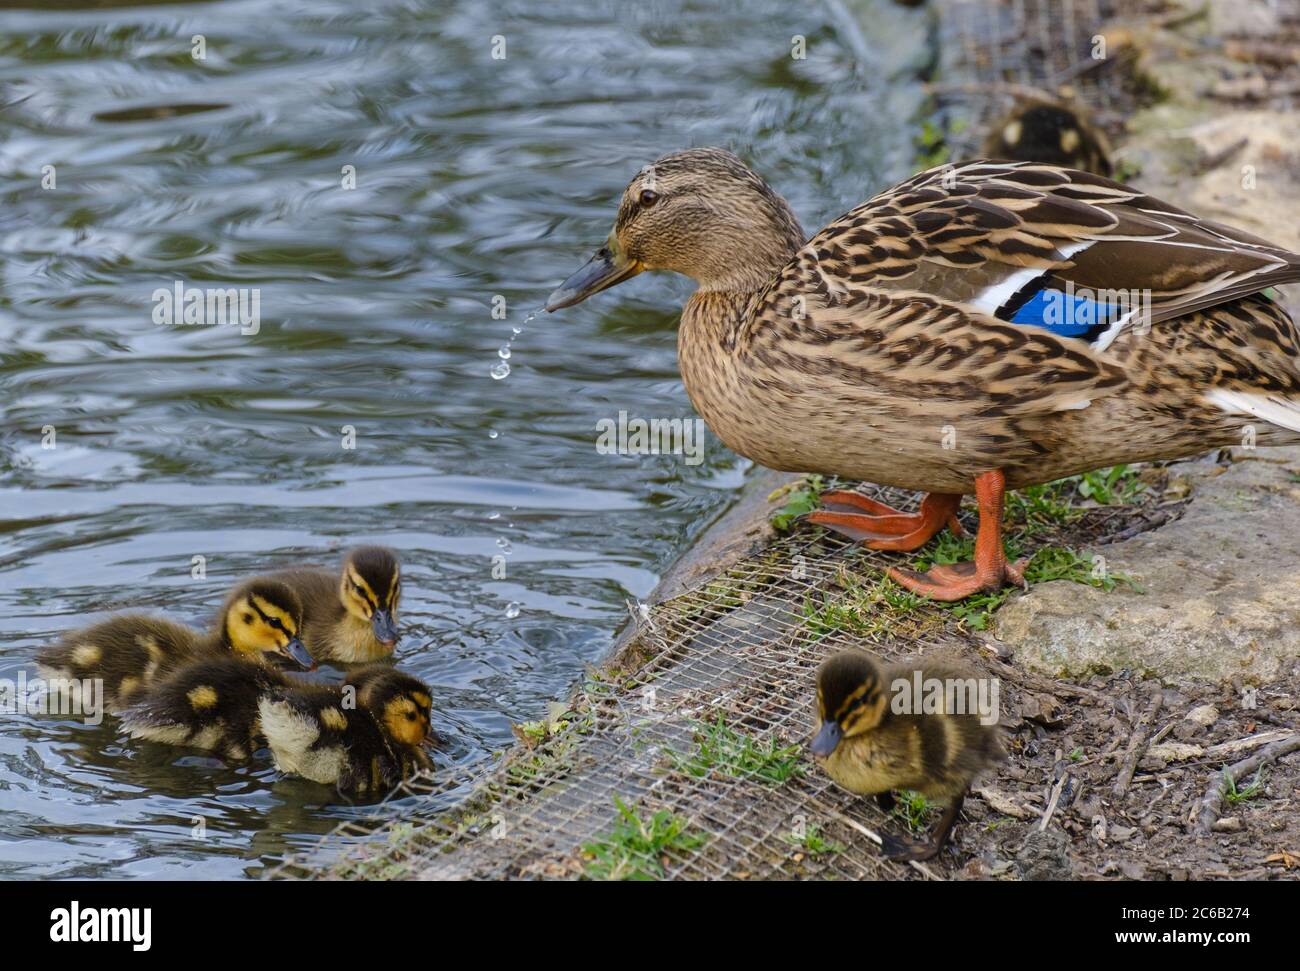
x,y
273,622
853,704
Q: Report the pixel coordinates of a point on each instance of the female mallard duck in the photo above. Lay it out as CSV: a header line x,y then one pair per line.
x,y
130,652
363,736
878,733
979,327
352,617
1056,132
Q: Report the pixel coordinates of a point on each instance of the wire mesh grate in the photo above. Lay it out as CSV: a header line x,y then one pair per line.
x,y
735,655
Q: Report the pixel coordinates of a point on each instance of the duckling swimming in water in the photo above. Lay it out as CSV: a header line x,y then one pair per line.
x,y
130,652
350,618
363,736
869,747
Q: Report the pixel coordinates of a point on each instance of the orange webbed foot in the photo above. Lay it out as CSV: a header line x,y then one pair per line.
x,y
989,571
882,527
958,581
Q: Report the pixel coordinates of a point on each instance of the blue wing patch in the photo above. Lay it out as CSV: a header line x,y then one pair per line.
x,y
1062,310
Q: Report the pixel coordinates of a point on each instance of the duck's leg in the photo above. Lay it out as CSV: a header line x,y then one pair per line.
x,y
893,848
989,570
883,527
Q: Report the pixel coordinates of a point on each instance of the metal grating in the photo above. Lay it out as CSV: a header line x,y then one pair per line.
x,y
742,648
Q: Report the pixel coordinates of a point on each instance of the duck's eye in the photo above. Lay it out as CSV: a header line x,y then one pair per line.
x,y
648,198
248,618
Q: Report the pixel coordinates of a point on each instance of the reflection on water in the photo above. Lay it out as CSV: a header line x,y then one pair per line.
x,y
477,181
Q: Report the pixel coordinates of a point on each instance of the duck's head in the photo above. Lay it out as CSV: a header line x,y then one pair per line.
x,y
400,702
371,588
851,699
265,617
700,212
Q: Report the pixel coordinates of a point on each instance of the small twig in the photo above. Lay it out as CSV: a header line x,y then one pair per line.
x,y
1225,749
1215,159
1212,802
1137,746
1051,805
872,835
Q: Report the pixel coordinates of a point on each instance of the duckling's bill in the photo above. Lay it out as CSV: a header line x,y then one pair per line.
x,y
827,739
385,627
609,267
297,653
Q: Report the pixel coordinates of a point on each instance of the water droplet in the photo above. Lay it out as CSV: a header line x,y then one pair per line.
x,y
512,609
500,371
494,515
504,352
504,545
492,433
516,331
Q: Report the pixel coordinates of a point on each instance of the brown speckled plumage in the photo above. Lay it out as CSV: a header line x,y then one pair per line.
x,y
854,353
917,341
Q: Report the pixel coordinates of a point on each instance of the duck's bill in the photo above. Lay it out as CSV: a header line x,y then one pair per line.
x,y
607,268
827,739
385,627
295,652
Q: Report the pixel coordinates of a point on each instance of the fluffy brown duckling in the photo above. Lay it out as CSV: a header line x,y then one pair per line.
x,y
873,739
363,737
260,619
1056,132
351,616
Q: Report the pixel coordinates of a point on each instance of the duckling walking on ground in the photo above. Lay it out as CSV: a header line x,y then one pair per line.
x,y
130,652
877,735
1043,130
979,327
352,617
363,736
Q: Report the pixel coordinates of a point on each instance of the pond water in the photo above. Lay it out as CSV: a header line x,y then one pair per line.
x,y
475,178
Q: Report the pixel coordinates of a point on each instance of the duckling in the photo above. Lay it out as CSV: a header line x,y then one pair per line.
x,y
352,619
877,735
1043,130
131,652
363,736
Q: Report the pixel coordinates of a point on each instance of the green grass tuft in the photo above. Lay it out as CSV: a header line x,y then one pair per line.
x,y
801,498
720,748
634,848
912,808
1234,795
812,842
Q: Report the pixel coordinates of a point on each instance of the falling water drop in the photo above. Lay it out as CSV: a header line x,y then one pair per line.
x,y
503,544
501,371
512,609
504,352
492,433
494,515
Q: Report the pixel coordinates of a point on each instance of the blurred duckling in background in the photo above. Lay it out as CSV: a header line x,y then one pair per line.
x,y
363,736
869,748
350,618
260,619
1056,132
